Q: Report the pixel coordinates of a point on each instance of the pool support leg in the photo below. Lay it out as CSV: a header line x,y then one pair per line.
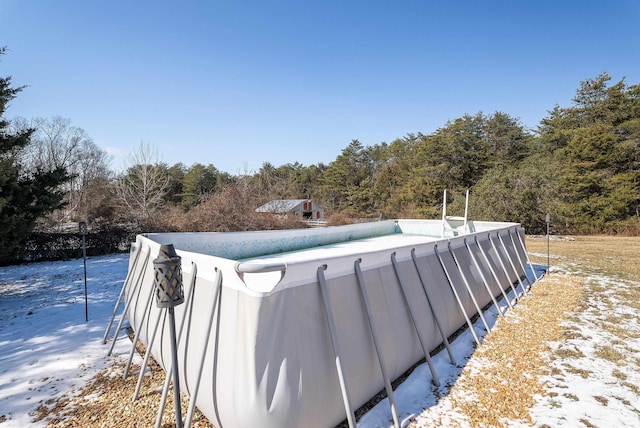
x,y
127,304
524,290
445,340
124,286
147,355
216,303
466,283
524,249
427,355
376,344
351,417
146,313
504,269
484,281
520,262
455,293
493,273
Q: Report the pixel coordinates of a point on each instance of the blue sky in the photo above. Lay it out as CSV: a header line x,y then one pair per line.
x,y
239,83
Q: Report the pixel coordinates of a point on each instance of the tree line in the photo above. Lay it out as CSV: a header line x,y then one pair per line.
x,y
581,165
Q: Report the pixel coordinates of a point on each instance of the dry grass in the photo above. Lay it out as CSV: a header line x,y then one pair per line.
x,y
608,255
520,355
106,401
501,379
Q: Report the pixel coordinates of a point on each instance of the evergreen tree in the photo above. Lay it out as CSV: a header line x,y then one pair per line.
x,y
347,184
176,183
596,141
595,194
199,181
25,196
522,192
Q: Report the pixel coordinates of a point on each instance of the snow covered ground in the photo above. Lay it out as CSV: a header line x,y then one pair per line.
x,y
595,379
46,347
48,350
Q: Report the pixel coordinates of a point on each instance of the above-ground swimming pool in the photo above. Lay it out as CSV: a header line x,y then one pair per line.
x,y
298,328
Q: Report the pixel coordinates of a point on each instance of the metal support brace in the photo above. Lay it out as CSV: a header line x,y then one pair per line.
x,y
124,286
484,280
128,303
455,293
427,355
524,290
351,417
147,312
504,268
524,270
376,344
148,354
524,249
445,340
493,273
466,283
169,371
216,303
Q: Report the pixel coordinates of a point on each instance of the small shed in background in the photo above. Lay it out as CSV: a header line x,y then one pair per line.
x,y
304,208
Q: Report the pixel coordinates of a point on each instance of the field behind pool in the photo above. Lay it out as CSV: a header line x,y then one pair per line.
x,y
614,256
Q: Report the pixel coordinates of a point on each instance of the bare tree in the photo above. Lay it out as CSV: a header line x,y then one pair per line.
x,y
92,176
56,143
144,184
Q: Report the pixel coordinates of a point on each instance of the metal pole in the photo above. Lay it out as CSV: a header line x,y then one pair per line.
x,y
216,304
452,358
376,345
522,264
504,269
122,290
466,283
506,253
484,281
136,336
351,417
170,293
526,253
84,261
174,364
548,220
169,371
455,293
83,230
427,356
493,272
444,212
466,210
128,302
147,355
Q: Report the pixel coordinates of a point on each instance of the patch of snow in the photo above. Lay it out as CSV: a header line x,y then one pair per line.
x,y
47,349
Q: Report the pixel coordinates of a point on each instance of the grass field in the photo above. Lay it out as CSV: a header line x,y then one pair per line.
x,y
613,256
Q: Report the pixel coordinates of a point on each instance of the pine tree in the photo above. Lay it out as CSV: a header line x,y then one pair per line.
x,y
25,196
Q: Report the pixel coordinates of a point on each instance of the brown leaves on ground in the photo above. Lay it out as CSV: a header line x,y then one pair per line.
x,y
499,382
107,401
